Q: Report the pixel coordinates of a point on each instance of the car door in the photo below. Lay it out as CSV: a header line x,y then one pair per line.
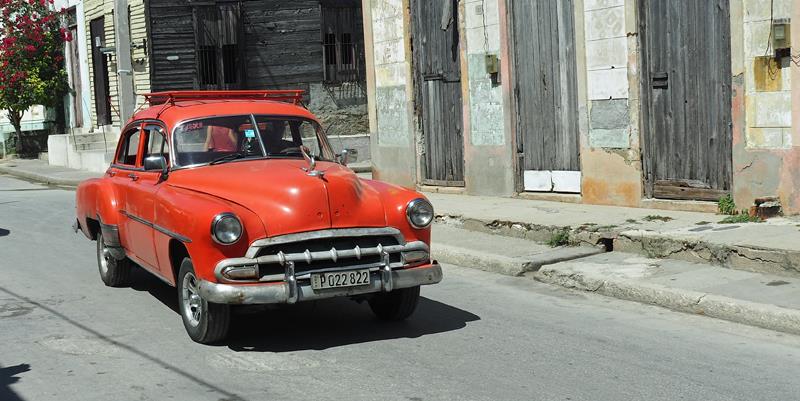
x,y
124,166
141,200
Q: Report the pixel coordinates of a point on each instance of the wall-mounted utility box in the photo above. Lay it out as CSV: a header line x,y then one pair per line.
x,y
492,64
781,36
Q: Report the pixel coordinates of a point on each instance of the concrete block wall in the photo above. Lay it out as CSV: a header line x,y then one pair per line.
x,y
766,152
488,169
610,157
389,86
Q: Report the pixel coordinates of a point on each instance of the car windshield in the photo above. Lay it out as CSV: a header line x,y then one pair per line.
x,y
220,139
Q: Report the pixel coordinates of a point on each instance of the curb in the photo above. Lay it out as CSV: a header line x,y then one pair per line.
x,y
507,265
766,316
45,179
653,245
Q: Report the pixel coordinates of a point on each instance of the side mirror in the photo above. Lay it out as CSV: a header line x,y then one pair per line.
x,y
155,163
348,156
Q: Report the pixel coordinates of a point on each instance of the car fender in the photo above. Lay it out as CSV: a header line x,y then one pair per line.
x,y
96,199
395,199
186,216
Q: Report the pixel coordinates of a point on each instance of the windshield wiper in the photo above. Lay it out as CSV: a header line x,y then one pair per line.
x,y
229,157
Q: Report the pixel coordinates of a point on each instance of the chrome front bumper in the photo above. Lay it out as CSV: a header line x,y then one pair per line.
x,y
290,291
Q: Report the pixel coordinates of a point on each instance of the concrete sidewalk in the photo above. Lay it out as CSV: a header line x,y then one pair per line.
x,y
769,247
756,299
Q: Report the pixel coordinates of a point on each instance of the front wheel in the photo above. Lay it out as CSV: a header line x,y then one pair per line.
x,y
205,322
113,272
395,305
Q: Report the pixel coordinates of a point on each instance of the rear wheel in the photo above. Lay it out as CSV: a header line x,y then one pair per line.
x,y
113,272
205,322
395,305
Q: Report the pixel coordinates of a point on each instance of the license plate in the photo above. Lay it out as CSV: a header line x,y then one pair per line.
x,y
352,278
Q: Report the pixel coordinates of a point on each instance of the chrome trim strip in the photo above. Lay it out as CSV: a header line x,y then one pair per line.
x,y
277,293
158,228
331,233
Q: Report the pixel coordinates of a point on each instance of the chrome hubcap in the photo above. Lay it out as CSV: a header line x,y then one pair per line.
x,y
105,257
191,302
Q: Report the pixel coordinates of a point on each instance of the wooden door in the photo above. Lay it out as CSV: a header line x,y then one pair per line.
x,y
437,83
102,102
545,93
686,78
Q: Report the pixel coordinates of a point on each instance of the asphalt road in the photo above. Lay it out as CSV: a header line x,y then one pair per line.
x,y
477,336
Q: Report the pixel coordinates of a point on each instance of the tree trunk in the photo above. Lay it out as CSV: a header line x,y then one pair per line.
x,y
16,120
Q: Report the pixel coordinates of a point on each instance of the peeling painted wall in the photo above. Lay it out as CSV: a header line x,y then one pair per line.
x,y
488,168
766,136
392,138
766,152
610,157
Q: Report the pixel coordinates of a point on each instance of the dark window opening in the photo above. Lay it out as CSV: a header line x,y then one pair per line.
x,y
347,49
342,44
207,65
230,62
330,49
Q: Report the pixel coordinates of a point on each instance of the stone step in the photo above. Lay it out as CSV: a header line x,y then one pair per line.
x,y
97,146
95,137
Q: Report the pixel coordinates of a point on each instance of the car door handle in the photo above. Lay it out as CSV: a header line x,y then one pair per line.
x,y
112,173
133,177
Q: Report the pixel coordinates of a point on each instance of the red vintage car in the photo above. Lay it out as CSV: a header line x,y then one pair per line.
x,y
238,198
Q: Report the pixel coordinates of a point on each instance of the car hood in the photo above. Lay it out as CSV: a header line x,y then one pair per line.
x,y
285,197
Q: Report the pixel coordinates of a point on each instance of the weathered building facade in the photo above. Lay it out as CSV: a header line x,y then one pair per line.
x,y
649,103
315,45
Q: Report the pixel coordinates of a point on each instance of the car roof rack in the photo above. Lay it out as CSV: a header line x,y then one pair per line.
x,y
294,96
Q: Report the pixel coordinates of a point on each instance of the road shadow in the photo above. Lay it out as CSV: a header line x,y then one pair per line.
x,y
4,232
316,325
163,292
337,322
8,376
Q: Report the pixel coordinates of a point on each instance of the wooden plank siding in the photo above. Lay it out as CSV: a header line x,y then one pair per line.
x,y
138,26
172,37
282,43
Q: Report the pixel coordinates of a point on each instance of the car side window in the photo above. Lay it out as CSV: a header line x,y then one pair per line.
x,y
156,143
130,148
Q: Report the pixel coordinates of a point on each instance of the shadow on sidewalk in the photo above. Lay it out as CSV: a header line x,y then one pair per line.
x,y
8,376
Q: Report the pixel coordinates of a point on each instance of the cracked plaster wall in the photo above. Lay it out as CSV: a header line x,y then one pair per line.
x,y
610,159
392,138
489,168
766,153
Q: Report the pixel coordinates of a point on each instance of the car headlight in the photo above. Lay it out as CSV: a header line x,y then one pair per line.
x,y
419,213
226,229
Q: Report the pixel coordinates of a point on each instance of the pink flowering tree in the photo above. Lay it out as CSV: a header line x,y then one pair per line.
x,y
32,37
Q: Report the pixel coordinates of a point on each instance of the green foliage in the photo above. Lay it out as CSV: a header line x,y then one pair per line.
x,y
559,238
743,217
655,217
32,37
726,205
